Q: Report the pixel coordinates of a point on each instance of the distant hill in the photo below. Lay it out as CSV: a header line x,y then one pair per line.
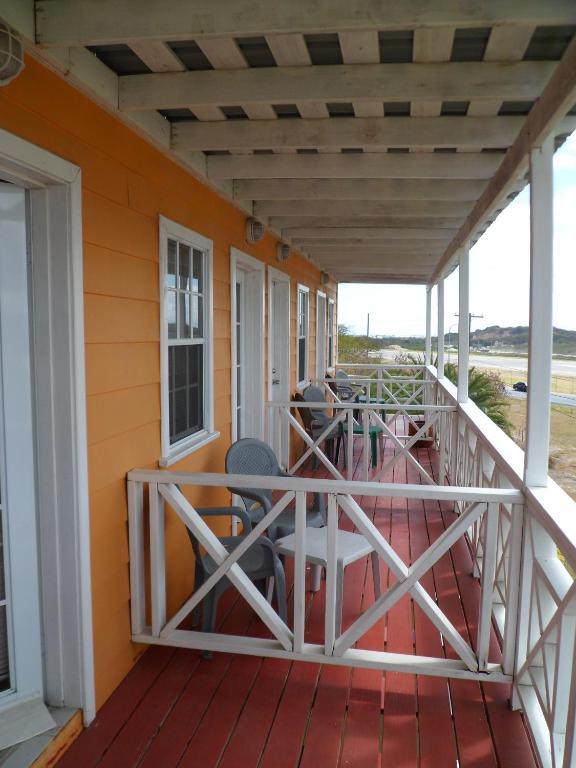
x,y
515,339
494,339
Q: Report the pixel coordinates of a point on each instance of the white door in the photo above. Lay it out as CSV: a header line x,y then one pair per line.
x,y
279,360
247,283
20,640
320,335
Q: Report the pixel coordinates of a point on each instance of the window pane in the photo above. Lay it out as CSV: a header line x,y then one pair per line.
x,y
197,270
171,314
171,271
184,318
179,355
186,394
197,316
301,359
184,267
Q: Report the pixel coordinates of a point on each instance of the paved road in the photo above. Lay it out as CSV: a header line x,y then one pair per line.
x,y
567,400
559,367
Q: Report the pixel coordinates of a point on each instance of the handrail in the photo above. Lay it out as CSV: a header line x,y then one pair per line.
x,y
320,485
352,406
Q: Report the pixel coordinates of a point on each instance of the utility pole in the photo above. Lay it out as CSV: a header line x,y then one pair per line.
x,y
470,316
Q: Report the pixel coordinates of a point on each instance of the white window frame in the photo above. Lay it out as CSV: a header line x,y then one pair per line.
x,y
171,453
303,289
330,335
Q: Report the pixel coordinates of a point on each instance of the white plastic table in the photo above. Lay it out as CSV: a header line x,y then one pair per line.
x,y
349,548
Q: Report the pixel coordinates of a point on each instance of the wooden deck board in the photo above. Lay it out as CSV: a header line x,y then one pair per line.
x,y
176,709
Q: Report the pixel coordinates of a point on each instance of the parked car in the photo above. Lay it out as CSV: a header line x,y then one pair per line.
x,y
520,386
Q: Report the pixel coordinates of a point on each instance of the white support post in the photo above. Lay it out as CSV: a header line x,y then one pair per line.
x,y
540,339
428,353
463,325
440,362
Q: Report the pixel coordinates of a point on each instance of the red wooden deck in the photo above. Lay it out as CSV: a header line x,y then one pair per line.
x,y
177,709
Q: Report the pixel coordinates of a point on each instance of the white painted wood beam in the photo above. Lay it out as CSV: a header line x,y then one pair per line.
x,y
353,166
358,189
399,210
369,233
157,56
541,314
431,45
290,50
224,54
358,83
488,132
546,118
505,44
377,246
82,22
463,323
363,48
438,225
377,256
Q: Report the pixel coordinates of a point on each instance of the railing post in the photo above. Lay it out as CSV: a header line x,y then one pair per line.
x,y
428,352
157,559
463,324
300,571
136,543
350,445
540,325
330,617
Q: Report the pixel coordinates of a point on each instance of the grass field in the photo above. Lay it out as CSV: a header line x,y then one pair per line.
x,y
565,385
562,441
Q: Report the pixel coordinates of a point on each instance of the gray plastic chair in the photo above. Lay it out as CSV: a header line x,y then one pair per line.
x,y
250,456
259,563
344,390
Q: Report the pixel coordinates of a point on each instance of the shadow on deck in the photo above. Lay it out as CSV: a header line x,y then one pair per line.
x,y
177,709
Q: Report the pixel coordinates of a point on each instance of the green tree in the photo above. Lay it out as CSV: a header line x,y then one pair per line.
x,y
485,388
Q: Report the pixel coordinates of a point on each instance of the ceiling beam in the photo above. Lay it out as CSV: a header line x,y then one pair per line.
x,y
438,226
85,22
398,209
358,189
476,165
369,233
380,246
543,121
442,132
451,81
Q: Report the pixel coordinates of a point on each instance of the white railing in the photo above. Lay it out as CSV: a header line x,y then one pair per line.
x,y
522,541
287,640
376,422
536,541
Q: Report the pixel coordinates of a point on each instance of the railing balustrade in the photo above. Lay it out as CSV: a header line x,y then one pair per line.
x,y
522,541
164,492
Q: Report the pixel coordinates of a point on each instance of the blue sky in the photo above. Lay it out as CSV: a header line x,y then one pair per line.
x,y
499,271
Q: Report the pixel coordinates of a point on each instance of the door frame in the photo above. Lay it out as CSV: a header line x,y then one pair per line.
x,y
59,405
276,275
243,261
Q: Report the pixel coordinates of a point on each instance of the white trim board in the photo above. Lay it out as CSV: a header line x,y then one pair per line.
x,y
254,270
58,359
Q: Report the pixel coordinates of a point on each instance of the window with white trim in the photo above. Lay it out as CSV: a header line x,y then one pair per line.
x,y
186,338
302,348
331,308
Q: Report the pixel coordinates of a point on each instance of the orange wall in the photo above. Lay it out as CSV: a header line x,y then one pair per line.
x,y
127,184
